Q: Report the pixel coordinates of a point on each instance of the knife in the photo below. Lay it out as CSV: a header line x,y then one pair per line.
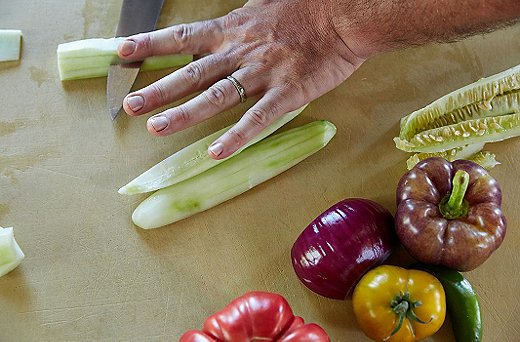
x,y
136,16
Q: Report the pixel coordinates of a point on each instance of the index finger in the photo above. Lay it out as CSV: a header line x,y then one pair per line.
x,y
271,106
193,38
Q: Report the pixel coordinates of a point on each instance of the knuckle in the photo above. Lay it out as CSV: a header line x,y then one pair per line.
x,y
216,94
180,115
234,19
158,94
294,89
146,43
193,73
237,137
181,34
291,84
258,117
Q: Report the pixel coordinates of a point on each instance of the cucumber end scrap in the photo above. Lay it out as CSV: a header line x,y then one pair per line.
x,y
11,254
10,45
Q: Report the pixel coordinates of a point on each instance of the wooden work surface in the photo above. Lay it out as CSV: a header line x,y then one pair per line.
x,y
90,274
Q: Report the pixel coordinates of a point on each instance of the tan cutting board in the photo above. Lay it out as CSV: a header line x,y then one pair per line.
x,y
90,274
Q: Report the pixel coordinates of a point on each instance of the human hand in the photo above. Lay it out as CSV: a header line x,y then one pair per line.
x,y
287,53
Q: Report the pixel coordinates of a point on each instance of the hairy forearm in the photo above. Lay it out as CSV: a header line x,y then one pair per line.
x,y
372,26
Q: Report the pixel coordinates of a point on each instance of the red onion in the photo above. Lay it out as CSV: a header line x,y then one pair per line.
x,y
339,246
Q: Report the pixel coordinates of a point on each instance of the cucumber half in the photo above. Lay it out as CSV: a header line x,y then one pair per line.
x,y
192,160
485,111
236,175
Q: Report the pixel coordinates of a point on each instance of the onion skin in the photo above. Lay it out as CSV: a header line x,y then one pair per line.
x,y
334,251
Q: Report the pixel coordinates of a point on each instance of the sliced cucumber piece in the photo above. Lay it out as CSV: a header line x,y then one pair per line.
x,y
10,43
192,160
90,58
254,165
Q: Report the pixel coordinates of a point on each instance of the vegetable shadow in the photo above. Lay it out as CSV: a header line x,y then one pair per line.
x,y
4,66
97,84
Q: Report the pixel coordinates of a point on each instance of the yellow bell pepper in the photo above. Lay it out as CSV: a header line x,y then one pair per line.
x,y
395,304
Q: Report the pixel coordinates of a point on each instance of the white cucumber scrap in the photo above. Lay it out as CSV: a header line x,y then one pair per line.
x,y
11,254
472,152
192,160
485,111
10,42
485,159
463,152
90,58
254,165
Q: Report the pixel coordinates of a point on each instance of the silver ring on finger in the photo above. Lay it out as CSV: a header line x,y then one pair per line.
x,y
241,91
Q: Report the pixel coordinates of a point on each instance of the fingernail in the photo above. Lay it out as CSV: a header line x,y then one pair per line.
x,y
216,149
127,48
135,102
158,123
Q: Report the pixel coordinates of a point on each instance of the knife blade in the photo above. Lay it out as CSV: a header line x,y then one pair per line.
x,y
136,16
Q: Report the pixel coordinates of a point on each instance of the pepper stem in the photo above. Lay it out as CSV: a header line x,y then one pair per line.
x,y
403,306
453,205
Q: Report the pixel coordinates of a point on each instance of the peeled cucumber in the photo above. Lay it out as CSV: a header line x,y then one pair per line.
x,y
484,111
90,58
10,42
254,165
192,160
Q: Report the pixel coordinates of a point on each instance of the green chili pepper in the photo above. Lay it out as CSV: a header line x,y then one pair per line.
x,y
462,302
